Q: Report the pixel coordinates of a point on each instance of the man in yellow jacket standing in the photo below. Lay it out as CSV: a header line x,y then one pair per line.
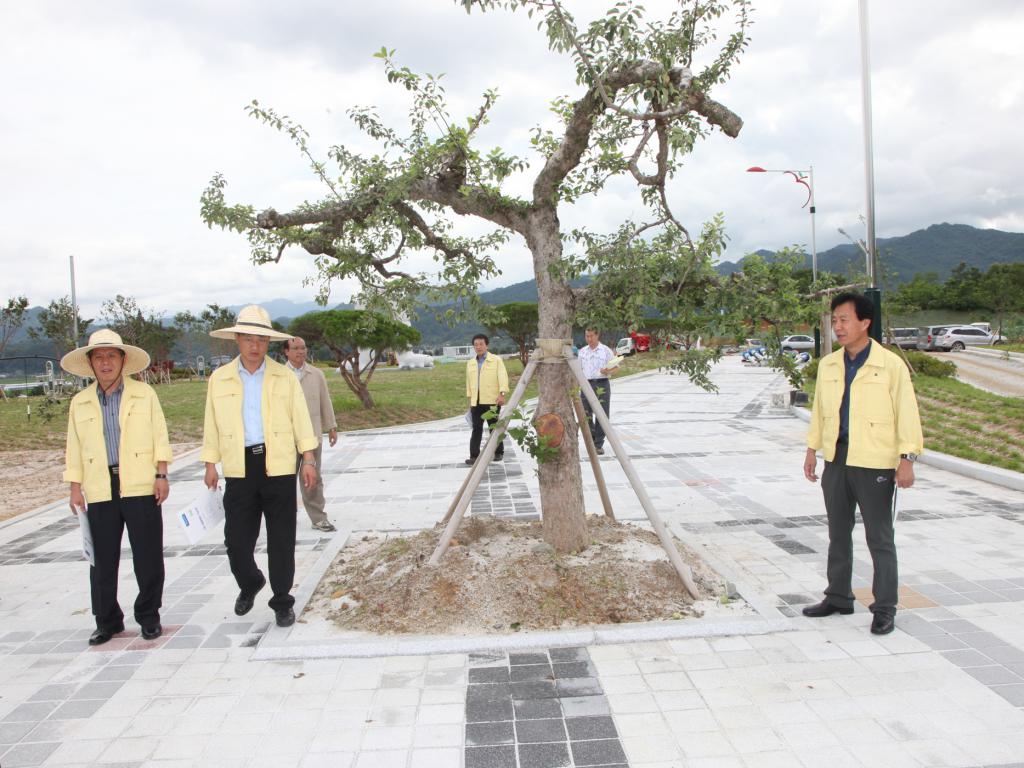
x,y
865,421
486,388
116,463
256,423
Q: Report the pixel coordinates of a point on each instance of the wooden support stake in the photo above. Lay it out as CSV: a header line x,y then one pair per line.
x,y
483,460
627,466
595,460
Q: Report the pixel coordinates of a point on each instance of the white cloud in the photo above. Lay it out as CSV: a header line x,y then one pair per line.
x,y
117,114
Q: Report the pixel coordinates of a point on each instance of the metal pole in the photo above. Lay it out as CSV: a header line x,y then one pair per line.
x,y
814,241
869,152
74,301
595,461
482,461
638,487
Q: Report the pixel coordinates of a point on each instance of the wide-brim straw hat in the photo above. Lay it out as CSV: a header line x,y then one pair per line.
x,y
77,361
253,320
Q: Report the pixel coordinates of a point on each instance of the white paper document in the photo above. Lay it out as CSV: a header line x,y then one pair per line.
x,y
204,513
88,552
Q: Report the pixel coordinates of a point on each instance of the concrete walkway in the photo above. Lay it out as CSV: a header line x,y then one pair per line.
x,y
947,688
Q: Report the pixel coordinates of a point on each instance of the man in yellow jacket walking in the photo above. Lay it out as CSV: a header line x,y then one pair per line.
x,y
116,462
256,423
486,388
865,421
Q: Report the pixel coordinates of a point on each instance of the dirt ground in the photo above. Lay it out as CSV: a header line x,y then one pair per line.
x,y
500,576
30,479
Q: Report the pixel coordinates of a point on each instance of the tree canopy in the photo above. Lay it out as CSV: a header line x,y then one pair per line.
x,y
517,320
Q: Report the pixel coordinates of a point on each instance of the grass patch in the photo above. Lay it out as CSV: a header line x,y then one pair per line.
x,y
968,422
402,397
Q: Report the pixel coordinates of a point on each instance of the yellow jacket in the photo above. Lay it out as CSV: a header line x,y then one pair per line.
x,y
287,430
493,380
884,421
143,442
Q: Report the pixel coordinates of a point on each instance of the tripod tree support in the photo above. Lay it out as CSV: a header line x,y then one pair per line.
x,y
595,461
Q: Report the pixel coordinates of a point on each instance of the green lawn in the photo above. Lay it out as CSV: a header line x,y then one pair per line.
x,y
402,397
968,422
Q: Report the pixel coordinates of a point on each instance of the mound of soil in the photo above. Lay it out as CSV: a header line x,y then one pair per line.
x,y
500,576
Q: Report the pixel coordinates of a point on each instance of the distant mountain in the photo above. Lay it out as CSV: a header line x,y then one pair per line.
x,y
939,248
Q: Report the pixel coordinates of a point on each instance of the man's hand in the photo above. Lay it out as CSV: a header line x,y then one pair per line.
x,y
210,480
905,474
604,371
77,499
332,436
811,465
308,476
501,399
161,490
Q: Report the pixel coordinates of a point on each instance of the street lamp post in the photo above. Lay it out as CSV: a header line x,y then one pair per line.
x,y
806,178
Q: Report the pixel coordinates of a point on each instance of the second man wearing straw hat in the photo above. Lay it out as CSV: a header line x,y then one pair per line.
x,y
256,422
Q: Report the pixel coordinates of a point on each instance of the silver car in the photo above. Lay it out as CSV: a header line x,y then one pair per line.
x,y
957,337
800,342
928,335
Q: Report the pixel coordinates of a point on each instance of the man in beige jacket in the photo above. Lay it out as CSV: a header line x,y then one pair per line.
x,y
321,414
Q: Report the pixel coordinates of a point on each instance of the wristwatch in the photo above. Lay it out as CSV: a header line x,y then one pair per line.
x,y
911,457
160,476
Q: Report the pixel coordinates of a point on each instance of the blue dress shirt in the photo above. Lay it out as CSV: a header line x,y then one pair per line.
x,y
252,403
852,365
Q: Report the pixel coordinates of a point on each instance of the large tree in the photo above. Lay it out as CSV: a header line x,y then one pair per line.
x,y
517,320
140,327
643,104
358,339
12,317
56,322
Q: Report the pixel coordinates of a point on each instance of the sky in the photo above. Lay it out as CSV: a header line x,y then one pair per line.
x,y
117,114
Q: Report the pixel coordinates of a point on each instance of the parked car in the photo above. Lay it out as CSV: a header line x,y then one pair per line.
x,y
927,334
753,343
904,338
624,347
799,342
986,327
957,337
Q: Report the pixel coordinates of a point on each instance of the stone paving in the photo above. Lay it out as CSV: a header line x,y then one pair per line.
x,y
947,688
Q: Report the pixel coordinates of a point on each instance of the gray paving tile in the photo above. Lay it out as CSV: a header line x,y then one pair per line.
x,y
1012,693
491,757
112,674
534,689
32,712
943,642
516,659
967,658
55,692
489,675
1005,654
956,626
490,734
981,640
527,672
535,709
601,752
488,711
28,754
488,692
12,733
584,706
579,686
993,675
583,728
77,709
544,756
569,654
98,690
573,669
528,731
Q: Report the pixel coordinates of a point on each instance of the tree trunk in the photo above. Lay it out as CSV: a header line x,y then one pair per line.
x,y
355,383
561,493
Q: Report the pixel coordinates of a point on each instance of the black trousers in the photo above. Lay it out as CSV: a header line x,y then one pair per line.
x,y
846,488
477,412
602,388
247,500
145,524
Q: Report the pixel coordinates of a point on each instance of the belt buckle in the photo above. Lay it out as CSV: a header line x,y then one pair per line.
x,y
257,450
115,469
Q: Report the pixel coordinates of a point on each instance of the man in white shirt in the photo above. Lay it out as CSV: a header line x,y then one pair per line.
x,y
321,414
594,359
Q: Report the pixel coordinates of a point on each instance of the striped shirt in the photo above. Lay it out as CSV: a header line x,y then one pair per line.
x,y
110,407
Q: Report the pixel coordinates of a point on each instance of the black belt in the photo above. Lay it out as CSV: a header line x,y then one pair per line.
x,y
114,469
256,450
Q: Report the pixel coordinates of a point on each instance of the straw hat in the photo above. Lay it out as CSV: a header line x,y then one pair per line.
x,y
253,320
77,361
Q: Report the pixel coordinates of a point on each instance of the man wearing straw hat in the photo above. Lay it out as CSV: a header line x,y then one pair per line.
x,y
116,463
256,423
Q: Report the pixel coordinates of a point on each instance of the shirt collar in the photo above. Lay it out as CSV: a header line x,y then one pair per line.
x,y
860,357
481,358
258,372
289,364
103,395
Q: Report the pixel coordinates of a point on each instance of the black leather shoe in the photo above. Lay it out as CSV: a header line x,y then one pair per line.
x,y
152,632
245,600
498,458
100,636
883,624
285,617
825,608
470,462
